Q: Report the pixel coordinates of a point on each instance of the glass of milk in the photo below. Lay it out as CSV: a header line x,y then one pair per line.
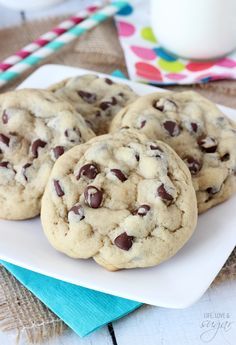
x,y
195,29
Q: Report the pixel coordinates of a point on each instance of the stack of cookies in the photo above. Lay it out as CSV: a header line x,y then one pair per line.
x,y
116,177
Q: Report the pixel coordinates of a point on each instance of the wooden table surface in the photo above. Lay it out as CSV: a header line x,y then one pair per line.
x,y
211,320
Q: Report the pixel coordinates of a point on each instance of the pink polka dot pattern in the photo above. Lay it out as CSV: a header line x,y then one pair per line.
x,y
226,63
148,71
175,76
125,29
199,66
148,61
143,53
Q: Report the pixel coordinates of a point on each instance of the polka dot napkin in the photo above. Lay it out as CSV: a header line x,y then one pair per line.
x,y
150,63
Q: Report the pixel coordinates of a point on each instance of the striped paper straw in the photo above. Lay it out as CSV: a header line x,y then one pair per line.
x,y
46,38
50,48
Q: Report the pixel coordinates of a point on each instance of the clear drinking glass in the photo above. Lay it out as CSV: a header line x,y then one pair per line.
x,y
196,29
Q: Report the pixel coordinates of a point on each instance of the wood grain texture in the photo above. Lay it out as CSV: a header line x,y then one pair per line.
x,y
162,326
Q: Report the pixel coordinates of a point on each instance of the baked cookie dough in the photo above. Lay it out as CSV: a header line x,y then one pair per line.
x,y
97,99
35,129
198,131
121,199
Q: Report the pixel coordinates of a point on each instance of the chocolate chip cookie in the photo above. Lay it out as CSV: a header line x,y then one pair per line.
x,y
35,129
122,199
198,131
97,99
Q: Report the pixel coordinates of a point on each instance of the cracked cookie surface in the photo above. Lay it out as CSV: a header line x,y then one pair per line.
x,y
97,99
35,129
198,131
122,199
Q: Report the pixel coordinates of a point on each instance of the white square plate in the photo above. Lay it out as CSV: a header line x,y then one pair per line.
x,y
176,283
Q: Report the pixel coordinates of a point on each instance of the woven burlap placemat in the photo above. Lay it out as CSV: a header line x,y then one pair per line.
x,y
98,50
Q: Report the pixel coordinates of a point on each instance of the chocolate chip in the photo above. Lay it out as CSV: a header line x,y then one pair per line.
x,y
26,166
125,127
172,128
105,105
4,164
137,157
35,146
157,151
73,134
88,170
89,123
58,188
123,241
108,104
58,151
165,105
78,210
98,113
143,123
163,194
155,147
194,127
157,106
207,144
4,139
142,210
119,174
121,94
93,196
87,96
4,117
225,157
193,164
108,81
212,190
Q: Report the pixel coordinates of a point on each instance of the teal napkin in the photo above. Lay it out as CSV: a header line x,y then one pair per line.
x,y
84,310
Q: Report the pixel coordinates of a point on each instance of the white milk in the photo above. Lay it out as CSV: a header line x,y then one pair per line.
x,y
197,29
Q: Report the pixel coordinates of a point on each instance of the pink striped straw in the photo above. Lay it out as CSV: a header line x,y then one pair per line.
x,y
47,37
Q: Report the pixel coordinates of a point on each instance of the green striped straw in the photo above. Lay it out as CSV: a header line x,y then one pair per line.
x,y
50,48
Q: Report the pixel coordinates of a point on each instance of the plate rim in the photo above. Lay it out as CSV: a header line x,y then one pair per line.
x,y
125,81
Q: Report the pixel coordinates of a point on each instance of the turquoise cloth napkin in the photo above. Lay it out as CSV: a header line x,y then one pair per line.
x,y
84,310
